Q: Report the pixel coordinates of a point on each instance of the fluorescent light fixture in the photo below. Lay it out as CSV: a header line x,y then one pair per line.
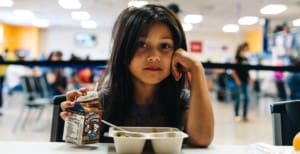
x,y
193,18
80,15
248,20
137,3
24,14
1,33
40,22
231,28
296,22
70,4
273,9
187,27
88,24
6,3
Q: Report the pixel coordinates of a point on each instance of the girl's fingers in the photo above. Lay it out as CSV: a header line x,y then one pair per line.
x,y
83,91
74,94
65,115
175,71
66,104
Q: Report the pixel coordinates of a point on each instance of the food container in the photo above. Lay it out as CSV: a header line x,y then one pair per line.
x,y
163,139
169,142
129,144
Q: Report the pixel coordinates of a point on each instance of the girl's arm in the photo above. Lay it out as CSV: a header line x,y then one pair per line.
x,y
199,118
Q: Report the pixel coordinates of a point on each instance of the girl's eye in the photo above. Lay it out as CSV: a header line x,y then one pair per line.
x,y
141,44
166,46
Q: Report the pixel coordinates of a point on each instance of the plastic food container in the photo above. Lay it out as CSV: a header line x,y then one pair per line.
x,y
163,139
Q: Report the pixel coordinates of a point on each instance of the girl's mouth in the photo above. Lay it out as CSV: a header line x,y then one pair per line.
x,y
153,69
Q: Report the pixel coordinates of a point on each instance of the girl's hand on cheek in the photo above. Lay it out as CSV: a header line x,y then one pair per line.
x,y
182,62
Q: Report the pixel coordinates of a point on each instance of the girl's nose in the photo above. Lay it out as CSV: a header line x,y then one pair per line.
x,y
153,58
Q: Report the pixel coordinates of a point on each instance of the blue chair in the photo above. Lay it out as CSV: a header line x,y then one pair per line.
x,y
37,98
285,120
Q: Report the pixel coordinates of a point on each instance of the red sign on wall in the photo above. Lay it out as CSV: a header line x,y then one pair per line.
x,y
196,46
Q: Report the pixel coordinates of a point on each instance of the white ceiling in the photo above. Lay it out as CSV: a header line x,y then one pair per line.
x,y
216,13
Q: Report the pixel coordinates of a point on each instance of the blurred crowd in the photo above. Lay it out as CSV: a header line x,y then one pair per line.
x,y
59,79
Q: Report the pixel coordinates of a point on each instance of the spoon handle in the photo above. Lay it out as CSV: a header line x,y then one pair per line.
x,y
112,125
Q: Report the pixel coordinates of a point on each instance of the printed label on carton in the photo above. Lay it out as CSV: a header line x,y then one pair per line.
x,y
73,129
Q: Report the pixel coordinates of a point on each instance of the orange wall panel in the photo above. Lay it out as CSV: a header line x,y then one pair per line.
x,y
22,37
254,38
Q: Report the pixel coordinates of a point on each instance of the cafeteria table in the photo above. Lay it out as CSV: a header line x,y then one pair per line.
x,y
14,147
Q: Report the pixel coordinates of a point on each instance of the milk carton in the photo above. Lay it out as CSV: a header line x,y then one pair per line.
x,y
84,126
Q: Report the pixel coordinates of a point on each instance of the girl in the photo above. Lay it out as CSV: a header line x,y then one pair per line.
x,y
144,85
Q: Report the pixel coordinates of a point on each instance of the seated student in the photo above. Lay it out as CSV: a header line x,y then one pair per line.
x,y
55,76
147,75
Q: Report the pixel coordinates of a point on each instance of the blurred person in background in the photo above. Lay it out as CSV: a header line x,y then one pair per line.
x,y
279,80
15,72
241,78
55,77
174,7
293,81
2,73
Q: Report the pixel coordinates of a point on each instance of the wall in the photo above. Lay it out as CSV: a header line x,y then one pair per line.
x,y
63,39
254,38
217,46
1,36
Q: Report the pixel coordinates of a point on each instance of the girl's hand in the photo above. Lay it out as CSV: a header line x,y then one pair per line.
x,y
182,62
69,103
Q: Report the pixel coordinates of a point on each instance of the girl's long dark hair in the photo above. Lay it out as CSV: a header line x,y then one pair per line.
x,y
130,25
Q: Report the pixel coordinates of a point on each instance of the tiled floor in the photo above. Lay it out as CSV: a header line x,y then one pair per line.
x,y
227,131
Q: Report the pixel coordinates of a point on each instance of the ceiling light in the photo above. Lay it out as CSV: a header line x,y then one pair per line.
x,y
24,14
6,3
248,20
80,15
89,24
230,28
40,22
296,22
69,4
137,3
273,9
193,18
187,27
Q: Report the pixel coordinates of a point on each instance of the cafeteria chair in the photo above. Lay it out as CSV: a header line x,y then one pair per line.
x,y
37,97
57,125
285,121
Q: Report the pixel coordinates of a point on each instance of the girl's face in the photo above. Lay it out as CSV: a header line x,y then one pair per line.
x,y
152,60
